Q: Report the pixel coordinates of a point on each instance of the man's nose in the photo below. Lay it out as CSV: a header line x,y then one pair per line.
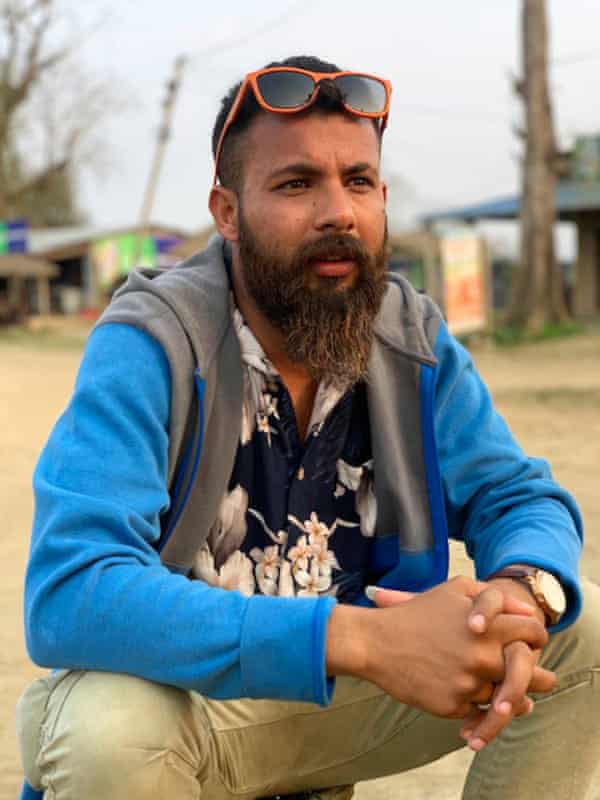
x,y
334,208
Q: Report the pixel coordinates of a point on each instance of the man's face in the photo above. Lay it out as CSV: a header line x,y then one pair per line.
x,y
312,233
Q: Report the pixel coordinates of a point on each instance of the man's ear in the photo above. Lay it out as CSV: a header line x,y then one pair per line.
x,y
223,205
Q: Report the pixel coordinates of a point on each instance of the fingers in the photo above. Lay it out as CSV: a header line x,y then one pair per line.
x,y
386,598
542,680
491,602
509,628
509,698
468,587
484,695
477,715
488,601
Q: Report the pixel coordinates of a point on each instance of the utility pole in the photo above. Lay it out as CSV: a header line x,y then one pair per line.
x,y
538,291
164,133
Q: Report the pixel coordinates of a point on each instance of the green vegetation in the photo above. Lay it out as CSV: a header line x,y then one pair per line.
x,y
513,335
47,338
561,397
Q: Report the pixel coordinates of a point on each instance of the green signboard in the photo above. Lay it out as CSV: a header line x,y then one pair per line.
x,y
117,256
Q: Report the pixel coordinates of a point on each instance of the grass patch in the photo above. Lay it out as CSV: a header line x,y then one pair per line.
x,y
562,397
513,336
44,338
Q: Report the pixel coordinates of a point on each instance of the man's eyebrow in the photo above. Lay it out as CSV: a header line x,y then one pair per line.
x,y
360,166
297,168
306,169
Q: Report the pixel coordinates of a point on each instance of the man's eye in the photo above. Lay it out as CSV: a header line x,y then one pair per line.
x,y
295,183
361,180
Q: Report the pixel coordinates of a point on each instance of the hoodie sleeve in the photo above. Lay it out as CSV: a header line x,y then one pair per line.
x,y
505,505
96,593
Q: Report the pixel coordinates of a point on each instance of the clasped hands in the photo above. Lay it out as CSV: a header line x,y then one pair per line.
x,y
475,654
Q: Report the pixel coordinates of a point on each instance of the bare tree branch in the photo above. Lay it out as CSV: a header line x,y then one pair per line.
x,y
13,45
50,109
34,183
35,65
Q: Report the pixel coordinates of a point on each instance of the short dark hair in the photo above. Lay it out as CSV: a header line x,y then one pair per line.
x,y
230,163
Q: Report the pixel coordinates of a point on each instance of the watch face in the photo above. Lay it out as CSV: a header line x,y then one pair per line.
x,y
553,592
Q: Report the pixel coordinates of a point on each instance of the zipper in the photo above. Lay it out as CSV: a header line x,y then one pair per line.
x,y
196,449
439,522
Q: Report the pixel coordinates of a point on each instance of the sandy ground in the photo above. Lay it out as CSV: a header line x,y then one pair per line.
x,y
549,393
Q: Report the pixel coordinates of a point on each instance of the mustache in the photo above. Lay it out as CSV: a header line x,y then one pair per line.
x,y
340,246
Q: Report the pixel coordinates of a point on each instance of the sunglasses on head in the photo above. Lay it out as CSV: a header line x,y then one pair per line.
x,y
287,90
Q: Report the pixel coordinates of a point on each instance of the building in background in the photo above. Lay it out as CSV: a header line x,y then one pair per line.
x,y
13,236
578,202
24,286
195,243
24,279
92,261
452,268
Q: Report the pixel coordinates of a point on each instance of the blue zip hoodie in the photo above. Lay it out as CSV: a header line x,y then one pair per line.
x,y
98,597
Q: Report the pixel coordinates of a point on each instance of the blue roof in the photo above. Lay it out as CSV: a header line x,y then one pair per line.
x,y
571,197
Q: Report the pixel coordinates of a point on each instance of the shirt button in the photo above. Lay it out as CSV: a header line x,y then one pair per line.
x,y
301,474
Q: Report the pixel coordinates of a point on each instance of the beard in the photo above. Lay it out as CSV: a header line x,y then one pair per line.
x,y
325,326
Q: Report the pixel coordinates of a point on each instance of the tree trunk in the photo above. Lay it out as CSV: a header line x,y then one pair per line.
x,y
538,296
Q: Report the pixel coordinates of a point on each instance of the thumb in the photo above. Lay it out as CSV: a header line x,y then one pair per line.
x,y
386,598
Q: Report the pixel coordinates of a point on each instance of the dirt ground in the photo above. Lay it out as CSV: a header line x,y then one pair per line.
x,y
548,392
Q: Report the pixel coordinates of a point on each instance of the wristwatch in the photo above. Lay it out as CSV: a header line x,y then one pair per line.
x,y
544,586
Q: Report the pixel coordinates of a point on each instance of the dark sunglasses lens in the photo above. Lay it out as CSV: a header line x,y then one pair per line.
x,y
362,93
285,89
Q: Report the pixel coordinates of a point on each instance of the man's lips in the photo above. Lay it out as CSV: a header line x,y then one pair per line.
x,y
334,269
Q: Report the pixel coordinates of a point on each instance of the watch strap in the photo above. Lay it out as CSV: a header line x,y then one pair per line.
x,y
514,572
526,575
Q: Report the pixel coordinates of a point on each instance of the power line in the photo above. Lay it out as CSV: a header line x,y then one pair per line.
x,y
267,27
452,111
580,58
173,87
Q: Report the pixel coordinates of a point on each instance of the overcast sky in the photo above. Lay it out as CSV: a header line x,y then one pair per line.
x,y
450,137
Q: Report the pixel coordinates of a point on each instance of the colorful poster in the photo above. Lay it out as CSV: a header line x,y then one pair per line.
x,y
463,268
115,257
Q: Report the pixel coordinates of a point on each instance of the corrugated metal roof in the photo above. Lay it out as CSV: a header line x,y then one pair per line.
x,y
52,241
42,239
571,198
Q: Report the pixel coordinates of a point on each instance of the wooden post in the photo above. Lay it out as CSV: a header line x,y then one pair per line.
x,y
538,293
164,133
14,292
43,295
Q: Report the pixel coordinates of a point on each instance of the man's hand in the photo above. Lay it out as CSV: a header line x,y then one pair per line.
x,y
522,671
509,698
425,653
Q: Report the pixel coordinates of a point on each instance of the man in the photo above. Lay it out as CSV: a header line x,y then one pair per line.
x,y
257,440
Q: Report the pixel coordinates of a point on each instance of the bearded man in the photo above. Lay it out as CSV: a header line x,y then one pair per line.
x,y
239,565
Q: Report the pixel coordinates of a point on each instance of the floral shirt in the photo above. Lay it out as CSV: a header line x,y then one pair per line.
x,y
298,517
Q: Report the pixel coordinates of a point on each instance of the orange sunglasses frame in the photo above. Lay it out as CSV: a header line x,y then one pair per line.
x,y
250,81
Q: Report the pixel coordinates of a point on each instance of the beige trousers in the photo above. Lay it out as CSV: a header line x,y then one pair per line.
x,y
91,735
